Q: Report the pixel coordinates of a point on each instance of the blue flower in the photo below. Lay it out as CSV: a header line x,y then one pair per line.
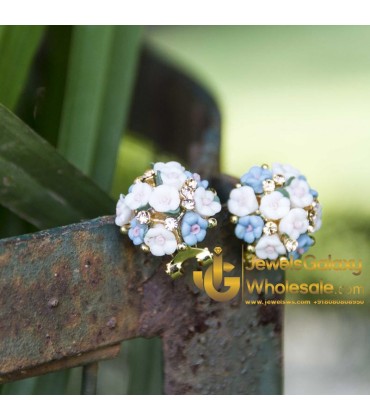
x,y
249,228
304,244
193,228
137,232
314,193
254,178
201,182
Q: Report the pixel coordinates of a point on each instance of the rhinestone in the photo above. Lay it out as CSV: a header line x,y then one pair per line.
x,y
145,248
279,179
182,247
124,229
170,223
187,192
143,217
149,177
238,185
264,166
312,216
251,249
149,173
291,245
310,229
191,183
188,204
212,222
315,204
234,219
270,228
268,185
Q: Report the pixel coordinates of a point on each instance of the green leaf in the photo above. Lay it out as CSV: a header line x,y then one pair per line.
x,y
52,70
51,384
284,192
99,84
145,360
120,80
144,208
38,184
174,212
289,181
18,45
158,178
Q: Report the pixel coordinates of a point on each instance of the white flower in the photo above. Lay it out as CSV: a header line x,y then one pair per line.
x,y
294,223
172,173
139,195
299,192
318,220
242,201
123,213
269,247
164,198
275,206
287,170
160,241
205,203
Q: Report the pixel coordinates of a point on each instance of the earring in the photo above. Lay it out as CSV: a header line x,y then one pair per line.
x,y
275,212
167,211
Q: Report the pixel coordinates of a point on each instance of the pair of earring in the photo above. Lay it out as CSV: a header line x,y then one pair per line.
x,y
168,210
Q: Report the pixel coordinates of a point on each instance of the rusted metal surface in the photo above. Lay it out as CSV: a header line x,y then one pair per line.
x,y
68,292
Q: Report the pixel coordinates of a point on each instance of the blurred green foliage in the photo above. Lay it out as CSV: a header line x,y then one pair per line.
x,y
18,45
73,85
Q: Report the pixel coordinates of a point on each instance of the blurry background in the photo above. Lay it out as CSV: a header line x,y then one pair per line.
x,y
298,95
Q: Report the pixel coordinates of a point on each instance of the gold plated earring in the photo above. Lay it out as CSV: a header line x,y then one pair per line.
x,y
167,211
275,212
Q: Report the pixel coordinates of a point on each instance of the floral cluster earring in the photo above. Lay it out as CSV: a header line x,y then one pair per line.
x,y
275,212
167,211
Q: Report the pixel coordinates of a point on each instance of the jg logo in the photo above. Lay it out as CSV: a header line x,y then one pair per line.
x,y
214,277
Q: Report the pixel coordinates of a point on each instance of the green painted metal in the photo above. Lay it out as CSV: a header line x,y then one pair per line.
x,y
38,184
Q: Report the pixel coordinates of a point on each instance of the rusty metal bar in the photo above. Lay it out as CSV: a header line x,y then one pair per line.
x,y
70,295
89,379
68,292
